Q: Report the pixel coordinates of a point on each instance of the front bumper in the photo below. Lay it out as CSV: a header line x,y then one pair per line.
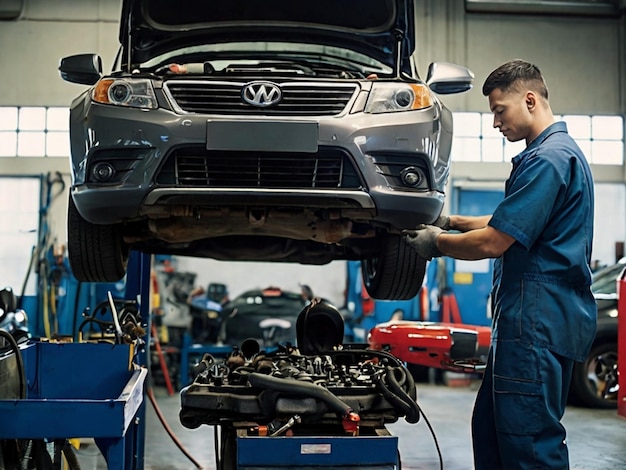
x,y
375,146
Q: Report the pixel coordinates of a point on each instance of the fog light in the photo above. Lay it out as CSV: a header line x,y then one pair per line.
x,y
412,176
102,172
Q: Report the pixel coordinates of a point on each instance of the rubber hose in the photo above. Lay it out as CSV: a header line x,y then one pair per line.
x,y
413,415
397,402
70,456
412,389
18,360
168,429
296,387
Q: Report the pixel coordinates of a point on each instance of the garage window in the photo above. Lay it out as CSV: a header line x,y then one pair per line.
x,y
34,131
19,209
601,138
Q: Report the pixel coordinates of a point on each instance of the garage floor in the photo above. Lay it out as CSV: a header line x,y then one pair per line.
x,y
597,438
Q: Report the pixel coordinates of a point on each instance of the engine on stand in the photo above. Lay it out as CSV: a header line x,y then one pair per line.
x,y
319,389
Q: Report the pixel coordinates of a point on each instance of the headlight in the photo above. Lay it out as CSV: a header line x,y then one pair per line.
x,y
136,93
394,97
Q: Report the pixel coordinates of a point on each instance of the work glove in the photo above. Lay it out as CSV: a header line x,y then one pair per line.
x,y
443,222
424,240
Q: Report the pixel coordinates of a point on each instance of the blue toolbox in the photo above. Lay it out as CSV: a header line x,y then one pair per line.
x,y
79,390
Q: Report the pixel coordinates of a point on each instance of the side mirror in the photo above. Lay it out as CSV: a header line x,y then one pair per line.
x,y
84,69
445,78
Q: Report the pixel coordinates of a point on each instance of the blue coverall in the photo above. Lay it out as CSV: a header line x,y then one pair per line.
x,y
544,314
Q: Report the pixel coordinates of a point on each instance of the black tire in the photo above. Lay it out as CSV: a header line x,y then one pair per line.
x,y
396,274
594,382
96,253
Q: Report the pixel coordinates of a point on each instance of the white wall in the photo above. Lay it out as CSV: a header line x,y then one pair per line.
x,y
327,281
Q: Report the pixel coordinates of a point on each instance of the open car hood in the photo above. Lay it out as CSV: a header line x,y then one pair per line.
x,y
149,28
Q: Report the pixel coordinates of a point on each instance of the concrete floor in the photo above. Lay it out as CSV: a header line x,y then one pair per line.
x,y
597,438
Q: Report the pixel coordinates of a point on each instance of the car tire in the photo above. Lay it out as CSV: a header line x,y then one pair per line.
x,y
96,253
593,381
396,274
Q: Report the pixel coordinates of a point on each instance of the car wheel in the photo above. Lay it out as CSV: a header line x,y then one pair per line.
x,y
396,274
96,253
594,382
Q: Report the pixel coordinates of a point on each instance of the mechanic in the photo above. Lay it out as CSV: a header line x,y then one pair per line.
x,y
544,315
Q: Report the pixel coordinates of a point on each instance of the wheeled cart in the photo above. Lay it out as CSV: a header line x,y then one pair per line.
x,y
79,390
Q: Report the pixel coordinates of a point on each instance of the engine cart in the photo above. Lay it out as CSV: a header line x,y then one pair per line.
x,y
318,405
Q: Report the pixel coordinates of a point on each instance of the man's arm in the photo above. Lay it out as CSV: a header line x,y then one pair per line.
x,y
474,244
464,223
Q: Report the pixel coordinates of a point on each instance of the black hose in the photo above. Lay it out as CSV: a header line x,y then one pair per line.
x,y
70,456
396,401
19,362
413,414
297,387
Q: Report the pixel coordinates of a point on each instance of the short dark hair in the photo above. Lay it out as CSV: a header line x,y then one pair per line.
x,y
512,74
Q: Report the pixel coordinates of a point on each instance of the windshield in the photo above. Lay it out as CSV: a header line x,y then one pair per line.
x,y
221,56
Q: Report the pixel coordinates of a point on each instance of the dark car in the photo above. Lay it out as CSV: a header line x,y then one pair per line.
x,y
284,132
595,381
265,315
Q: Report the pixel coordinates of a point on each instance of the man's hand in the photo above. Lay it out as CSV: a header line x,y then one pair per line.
x,y
424,240
443,222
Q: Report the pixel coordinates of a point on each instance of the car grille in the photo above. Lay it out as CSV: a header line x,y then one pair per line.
x,y
299,99
197,167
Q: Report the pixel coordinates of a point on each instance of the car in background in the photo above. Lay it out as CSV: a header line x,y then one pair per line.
x,y
267,316
595,381
293,132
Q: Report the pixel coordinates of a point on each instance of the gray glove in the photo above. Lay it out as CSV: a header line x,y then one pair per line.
x,y
443,222
424,240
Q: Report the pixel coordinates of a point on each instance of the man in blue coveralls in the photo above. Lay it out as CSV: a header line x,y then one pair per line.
x,y
544,314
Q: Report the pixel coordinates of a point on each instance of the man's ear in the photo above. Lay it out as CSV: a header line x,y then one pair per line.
x,y
531,100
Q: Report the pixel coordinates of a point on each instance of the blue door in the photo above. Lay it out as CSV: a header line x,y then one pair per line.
x,y
470,281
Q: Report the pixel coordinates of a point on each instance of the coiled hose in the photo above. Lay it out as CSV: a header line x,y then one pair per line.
x,y
398,388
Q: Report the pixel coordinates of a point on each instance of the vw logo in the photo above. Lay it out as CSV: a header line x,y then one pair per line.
x,y
261,94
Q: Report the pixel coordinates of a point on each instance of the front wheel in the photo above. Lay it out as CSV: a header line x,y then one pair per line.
x,y
96,253
396,274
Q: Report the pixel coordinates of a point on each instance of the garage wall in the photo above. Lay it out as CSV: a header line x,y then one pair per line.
x,y
584,60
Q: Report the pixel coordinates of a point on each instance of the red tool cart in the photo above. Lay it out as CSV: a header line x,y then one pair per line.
x,y
621,343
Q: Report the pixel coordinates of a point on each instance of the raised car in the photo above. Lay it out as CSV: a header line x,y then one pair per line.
x,y
283,132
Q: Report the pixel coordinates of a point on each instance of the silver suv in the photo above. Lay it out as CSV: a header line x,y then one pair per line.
x,y
274,131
